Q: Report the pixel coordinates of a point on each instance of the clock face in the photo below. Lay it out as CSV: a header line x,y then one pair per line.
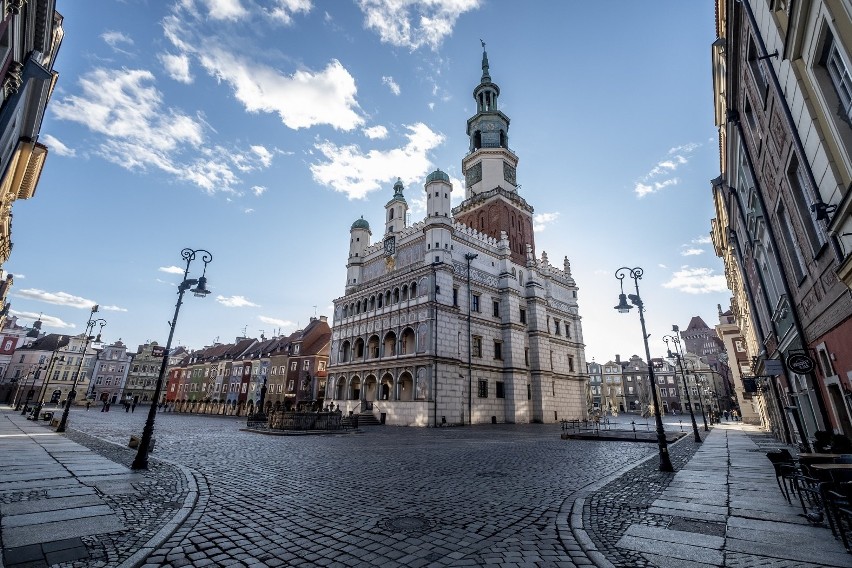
x,y
390,245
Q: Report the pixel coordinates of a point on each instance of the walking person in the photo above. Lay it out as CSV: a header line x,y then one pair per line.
x,y
133,406
88,404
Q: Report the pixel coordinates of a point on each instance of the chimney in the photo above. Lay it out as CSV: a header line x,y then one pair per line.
x,y
324,318
617,358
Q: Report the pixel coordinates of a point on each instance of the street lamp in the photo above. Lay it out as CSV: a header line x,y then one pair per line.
x,y
469,257
45,383
700,398
676,340
623,307
22,383
90,325
200,290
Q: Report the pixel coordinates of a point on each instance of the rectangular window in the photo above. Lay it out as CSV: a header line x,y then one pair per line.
x,y
840,79
629,390
307,365
291,385
476,346
495,308
523,313
501,389
803,198
556,327
529,391
456,297
570,364
672,392
294,366
321,366
527,356
794,252
474,302
756,68
498,349
483,388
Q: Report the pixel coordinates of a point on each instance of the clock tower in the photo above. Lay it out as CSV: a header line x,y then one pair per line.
x,y
492,204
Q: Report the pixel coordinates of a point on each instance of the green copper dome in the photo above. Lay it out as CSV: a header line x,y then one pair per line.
x,y
437,175
361,224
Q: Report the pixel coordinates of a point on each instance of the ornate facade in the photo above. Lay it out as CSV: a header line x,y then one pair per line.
x,y
454,320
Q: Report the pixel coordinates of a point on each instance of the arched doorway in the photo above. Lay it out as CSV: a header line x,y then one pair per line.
x,y
355,388
370,388
386,387
405,387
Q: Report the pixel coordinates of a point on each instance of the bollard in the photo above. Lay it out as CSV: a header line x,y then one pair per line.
x,y
681,425
633,423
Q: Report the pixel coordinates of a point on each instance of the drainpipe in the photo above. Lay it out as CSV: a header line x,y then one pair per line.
x,y
435,341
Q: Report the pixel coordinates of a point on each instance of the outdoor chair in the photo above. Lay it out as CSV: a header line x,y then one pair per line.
x,y
785,470
811,499
839,500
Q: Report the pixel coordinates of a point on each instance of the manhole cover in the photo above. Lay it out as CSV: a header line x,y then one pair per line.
x,y
407,524
700,527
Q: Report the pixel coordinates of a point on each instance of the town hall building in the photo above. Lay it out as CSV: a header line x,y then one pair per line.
x,y
455,319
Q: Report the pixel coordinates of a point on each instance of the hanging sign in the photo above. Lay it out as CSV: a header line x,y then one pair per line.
x,y
800,363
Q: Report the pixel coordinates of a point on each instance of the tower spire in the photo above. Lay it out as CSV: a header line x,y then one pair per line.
x,y
486,76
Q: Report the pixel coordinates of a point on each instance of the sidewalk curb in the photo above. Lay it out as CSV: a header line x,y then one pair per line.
x,y
574,517
138,558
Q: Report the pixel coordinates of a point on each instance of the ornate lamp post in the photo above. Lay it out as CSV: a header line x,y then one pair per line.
x,y
677,354
624,307
44,384
700,398
90,325
200,290
22,383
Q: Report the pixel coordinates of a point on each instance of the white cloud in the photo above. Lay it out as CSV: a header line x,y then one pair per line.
x,y
171,269
248,211
47,321
258,190
236,302
414,23
643,189
356,173
703,240
114,38
689,251
138,132
677,156
276,321
177,66
542,220
697,281
284,9
263,155
113,309
56,146
57,298
375,132
225,9
392,85
303,99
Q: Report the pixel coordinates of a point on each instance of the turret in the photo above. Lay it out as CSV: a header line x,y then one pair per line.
x,y
396,210
439,221
359,240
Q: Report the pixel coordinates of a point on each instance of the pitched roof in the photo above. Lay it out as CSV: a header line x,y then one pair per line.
x,y
697,323
49,342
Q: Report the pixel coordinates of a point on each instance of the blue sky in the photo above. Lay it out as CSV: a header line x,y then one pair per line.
x,y
260,129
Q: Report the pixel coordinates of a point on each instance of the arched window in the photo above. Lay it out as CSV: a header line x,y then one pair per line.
x,y
390,214
414,289
396,295
405,291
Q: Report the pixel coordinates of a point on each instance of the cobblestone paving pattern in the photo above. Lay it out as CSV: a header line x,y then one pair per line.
x,y
611,510
159,495
387,497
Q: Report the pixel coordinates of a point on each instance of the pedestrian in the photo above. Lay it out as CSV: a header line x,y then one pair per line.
x,y
88,404
726,414
126,406
735,415
133,406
